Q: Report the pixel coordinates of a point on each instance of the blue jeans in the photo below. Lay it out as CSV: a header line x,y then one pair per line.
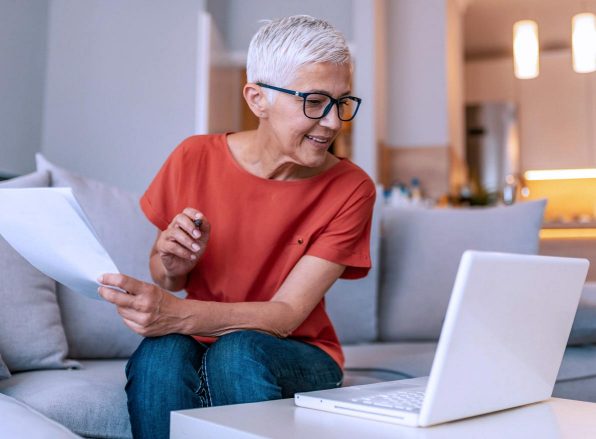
x,y
176,372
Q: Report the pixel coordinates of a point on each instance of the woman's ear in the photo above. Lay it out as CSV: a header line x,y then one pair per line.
x,y
256,99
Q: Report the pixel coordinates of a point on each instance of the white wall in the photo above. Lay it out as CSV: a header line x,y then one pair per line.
x,y
238,20
369,82
121,85
23,26
490,80
417,78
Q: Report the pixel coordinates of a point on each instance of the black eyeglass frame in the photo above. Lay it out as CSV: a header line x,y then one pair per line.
x,y
332,101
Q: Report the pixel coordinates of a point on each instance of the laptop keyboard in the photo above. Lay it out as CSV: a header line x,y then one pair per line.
x,y
410,401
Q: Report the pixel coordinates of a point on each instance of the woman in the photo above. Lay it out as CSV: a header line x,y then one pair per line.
x,y
255,226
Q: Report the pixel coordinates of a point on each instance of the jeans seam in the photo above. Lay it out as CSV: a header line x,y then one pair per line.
x,y
206,377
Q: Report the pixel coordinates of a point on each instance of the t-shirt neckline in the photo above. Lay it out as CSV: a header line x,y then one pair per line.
x,y
332,170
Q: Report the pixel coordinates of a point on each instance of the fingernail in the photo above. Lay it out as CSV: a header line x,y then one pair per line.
x,y
196,233
193,257
195,247
100,279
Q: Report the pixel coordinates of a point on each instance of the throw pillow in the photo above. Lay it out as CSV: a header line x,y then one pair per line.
x,y
31,332
421,249
94,329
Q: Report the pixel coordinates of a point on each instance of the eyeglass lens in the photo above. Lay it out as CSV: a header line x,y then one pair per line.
x,y
315,105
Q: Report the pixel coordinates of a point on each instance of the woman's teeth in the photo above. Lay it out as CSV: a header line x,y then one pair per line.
x,y
317,139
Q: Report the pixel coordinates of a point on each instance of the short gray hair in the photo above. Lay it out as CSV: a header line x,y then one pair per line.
x,y
280,47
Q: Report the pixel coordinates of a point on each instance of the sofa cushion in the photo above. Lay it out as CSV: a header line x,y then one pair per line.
x,y
583,389
33,337
94,329
584,324
577,376
17,420
4,372
376,362
352,304
90,401
421,249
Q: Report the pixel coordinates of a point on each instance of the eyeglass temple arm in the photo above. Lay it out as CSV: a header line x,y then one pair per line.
x,y
283,90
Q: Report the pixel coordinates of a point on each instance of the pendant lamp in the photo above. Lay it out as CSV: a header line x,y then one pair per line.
x,y
583,41
525,49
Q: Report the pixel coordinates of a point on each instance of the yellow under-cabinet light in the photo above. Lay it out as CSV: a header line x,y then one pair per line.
x,y
571,233
560,174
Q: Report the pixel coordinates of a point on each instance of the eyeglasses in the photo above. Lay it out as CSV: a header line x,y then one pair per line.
x,y
318,105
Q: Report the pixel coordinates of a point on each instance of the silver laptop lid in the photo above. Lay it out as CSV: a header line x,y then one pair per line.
x,y
504,335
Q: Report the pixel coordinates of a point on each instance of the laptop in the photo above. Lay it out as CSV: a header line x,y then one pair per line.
x,y
501,345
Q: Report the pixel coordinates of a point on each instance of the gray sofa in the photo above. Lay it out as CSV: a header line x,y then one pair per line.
x,y
62,356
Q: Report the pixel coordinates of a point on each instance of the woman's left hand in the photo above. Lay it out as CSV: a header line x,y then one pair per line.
x,y
147,309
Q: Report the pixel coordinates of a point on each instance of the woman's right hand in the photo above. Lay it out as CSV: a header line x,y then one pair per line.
x,y
182,244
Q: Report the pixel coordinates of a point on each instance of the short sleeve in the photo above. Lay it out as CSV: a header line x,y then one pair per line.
x,y
346,239
159,202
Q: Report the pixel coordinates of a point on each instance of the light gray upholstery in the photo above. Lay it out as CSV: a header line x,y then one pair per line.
x,y
4,372
90,401
94,329
421,249
21,421
352,304
375,362
581,389
584,325
577,376
578,362
31,333
35,179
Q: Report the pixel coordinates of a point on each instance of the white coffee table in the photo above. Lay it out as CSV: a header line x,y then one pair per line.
x,y
555,418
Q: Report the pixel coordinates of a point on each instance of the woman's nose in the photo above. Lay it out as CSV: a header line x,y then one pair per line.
x,y
331,119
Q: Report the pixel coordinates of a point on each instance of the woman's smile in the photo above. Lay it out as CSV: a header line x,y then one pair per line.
x,y
319,142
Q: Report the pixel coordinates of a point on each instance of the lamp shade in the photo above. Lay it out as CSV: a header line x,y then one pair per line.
x,y
525,49
584,42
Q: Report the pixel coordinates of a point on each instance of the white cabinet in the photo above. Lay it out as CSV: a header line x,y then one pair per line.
x,y
556,109
591,84
554,116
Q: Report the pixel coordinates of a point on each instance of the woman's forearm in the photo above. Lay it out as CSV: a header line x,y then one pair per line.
x,y
214,319
291,305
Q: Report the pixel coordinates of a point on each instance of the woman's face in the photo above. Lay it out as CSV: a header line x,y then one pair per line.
x,y
301,140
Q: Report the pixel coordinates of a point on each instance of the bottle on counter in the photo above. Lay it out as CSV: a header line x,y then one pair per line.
x,y
399,195
402,195
509,190
415,191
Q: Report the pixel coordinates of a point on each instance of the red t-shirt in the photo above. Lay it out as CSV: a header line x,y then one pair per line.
x,y
260,228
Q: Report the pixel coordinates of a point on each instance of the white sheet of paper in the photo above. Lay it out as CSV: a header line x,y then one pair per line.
x,y
50,230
